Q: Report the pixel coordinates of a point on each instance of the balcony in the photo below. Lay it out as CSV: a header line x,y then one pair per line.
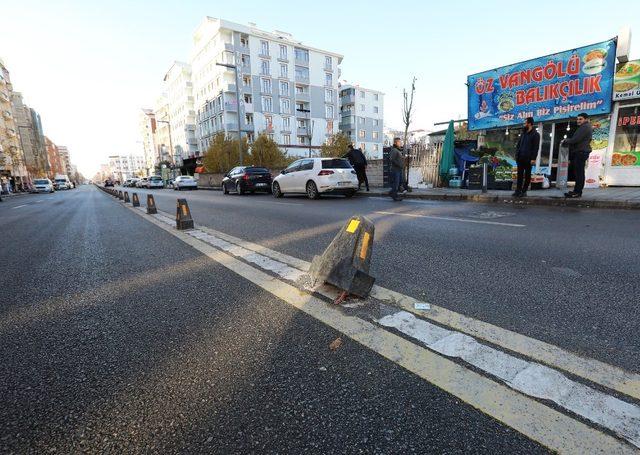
x,y
302,79
248,108
302,61
303,113
263,55
348,99
229,47
230,88
303,96
231,126
245,68
303,131
230,106
328,68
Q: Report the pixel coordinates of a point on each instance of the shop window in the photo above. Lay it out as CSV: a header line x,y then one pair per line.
x,y
626,150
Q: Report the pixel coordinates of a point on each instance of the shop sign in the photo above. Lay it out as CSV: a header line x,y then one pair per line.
x,y
626,84
554,87
626,149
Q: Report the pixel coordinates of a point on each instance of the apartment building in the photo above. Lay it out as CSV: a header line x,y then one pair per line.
x,y
65,159
123,167
29,127
55,164
12,163
362,118
287,90
147,125
180,112
164,151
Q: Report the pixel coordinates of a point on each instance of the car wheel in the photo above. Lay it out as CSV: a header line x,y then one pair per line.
x,y
275,190
312,190
239,189
349,193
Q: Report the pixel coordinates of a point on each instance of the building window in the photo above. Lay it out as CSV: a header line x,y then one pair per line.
x,y
329,111
363,146
375,97
284,88
244,60
302,72
283,52
267,104
362,95
264,47
375,109
361,120
375,135
248,99
328,63
286,139
268,120
246,81
302,140
285,106
266,85
361,134
300,89
248,118
244,41
286,123
284,70
375,147
264,67
328,79
376,122
362,108
302,55
328,95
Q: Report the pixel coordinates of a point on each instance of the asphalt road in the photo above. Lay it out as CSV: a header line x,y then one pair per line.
x,y
563,275
116,337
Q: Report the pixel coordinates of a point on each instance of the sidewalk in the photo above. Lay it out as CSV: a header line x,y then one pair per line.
x,y
610,198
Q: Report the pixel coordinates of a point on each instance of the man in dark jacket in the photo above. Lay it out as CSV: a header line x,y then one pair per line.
x,y
526,154
579,149
396,162
359,163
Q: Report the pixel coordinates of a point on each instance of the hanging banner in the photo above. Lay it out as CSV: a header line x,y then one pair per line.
x,y
626,84
553,87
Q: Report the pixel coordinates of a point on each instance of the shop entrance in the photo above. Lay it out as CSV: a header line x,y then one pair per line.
x,y
551,134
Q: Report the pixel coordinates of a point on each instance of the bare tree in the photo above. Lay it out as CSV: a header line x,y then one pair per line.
x,y
407,114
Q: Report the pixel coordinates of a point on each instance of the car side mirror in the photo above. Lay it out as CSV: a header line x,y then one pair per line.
x,y
283,172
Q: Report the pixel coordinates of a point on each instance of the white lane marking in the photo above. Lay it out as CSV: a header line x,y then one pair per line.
x,y
285,203
447,218
551,428
18,206
593,370
529,378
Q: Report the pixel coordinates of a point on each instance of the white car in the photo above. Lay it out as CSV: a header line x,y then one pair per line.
x,y
155,181
42,186
316,176
142,183
185,182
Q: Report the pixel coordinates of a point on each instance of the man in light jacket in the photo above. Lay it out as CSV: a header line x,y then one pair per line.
x,y
396,161
579,149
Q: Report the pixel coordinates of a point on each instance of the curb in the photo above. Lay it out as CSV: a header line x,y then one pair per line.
x,y
549,201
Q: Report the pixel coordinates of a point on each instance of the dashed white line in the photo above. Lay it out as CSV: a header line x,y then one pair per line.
x,y
448,218
18,206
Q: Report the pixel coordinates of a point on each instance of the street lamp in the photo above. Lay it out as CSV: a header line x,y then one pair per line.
x,y
235,73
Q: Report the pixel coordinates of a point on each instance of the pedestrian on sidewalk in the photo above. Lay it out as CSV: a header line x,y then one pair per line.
x,y
579,149
526,154
359,163
396,161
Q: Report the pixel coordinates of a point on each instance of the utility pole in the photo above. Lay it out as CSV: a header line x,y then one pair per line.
x,y
235,72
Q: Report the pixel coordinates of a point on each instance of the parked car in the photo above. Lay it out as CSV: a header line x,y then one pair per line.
x,y
133,182
108,183
62,184
42,186
127,182
142,183
316,176
183,182
155,181
243,179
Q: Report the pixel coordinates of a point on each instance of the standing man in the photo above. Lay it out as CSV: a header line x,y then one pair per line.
x,y
359,163
396,161
526,154
579,150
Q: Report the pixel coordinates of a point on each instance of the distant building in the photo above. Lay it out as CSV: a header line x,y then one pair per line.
x,y
162,139
123,167
362,118
65,159
31,137
12,162
180,112
147,127
55,164
288,90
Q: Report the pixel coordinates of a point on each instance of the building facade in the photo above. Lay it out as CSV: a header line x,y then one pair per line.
x,y
31,137
180,111
147,127
362,118
123,167
164,152
287,90
55,164
12,164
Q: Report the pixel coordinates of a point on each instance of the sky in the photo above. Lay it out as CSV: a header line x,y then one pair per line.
x,y
88,67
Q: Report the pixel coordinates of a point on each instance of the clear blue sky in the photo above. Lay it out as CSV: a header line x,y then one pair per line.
x,y
89,66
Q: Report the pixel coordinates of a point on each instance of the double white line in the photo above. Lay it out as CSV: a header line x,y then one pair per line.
x,y
512,390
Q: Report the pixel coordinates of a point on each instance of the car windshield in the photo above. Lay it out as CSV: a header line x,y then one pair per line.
x,y
61,181
40,182
155,179
256,170
336,163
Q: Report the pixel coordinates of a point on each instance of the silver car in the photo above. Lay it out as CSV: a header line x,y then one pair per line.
x,y
42,186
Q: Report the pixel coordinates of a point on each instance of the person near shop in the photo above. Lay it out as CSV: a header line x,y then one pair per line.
x,y
396,161
526,154
359,163
579,149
